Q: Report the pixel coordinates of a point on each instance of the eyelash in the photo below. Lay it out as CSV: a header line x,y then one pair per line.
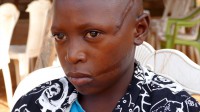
x,y
89,35
57,37
92,34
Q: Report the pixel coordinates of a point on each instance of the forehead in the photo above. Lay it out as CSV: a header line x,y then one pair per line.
x,y
91,5
91,10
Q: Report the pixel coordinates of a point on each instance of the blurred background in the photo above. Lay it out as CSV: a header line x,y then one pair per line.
x,y
159,37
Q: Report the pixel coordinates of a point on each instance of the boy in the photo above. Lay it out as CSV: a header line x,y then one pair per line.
x,y
95,41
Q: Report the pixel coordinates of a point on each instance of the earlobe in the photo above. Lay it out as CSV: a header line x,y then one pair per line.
x,y
141,28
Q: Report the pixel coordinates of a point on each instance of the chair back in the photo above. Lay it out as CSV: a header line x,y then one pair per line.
x,y
38,11
193,16
9,15
176,8
181,7
175,64
143,51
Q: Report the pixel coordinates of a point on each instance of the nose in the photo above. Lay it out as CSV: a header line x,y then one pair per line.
x,y
75,53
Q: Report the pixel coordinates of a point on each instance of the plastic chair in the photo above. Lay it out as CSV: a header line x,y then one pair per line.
x,y
173,9
176,66
143,51
9,15
176,8
174,25
48,52
22,54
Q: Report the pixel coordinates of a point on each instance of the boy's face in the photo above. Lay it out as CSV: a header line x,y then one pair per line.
x,y
94,50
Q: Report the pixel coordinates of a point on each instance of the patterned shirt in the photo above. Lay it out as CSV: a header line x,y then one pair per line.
x,y
147,92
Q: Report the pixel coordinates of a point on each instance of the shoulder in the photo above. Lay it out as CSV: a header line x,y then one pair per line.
x,y
51,95
165,94
154,82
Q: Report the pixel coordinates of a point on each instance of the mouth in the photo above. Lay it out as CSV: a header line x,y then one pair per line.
x,y
79,79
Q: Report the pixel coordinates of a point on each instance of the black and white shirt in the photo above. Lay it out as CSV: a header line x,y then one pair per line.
x,y
147,92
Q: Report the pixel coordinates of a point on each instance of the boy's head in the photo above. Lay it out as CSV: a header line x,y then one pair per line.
x,y
95,40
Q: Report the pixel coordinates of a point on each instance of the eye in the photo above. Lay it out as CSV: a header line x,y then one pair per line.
x,y
59,36
92,34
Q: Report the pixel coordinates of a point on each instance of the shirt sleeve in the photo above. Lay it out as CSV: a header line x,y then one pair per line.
x,y
52,96
25,104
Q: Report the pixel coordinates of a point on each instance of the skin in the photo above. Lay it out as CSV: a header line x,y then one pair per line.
x,y
95,42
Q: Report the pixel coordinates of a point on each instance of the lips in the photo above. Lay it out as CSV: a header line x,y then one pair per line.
x,y
79,79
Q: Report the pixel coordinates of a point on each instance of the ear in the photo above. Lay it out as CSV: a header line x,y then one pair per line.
x,y
141,28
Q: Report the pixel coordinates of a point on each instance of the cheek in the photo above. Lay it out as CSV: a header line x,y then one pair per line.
x,y
113,56
118,49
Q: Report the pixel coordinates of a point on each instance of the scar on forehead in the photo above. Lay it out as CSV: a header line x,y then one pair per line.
x,y
124,14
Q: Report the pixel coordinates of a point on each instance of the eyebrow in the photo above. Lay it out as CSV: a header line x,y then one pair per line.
x,y
124,14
